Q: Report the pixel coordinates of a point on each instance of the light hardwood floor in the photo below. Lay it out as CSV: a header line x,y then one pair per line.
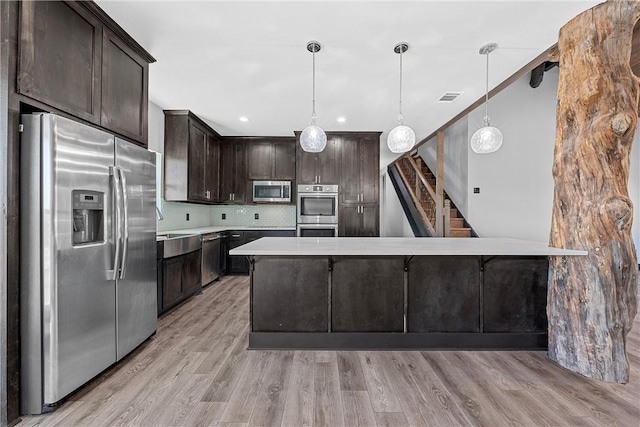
x,y
196,371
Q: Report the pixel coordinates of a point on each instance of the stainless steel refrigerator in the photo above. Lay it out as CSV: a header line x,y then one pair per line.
x,y
88,255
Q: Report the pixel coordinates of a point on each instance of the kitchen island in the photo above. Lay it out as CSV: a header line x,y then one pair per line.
x,y
398,293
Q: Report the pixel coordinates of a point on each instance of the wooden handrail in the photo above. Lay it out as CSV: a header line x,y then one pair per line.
x,y
416,202
413,163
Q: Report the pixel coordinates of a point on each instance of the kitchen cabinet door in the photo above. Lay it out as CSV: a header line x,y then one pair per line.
x,y
125,79
349,221
327,162
192,273
369,221
369,169
60,57
284,156
350,162
227,162
233,179
260,157
172,289
305,166
212,168
240,174
197,153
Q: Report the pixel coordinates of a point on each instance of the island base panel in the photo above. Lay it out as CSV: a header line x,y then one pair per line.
x,y
396,341
443,294
515,294
367,294
290,294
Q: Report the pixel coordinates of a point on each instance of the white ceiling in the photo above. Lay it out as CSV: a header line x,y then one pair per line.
x,y
227,59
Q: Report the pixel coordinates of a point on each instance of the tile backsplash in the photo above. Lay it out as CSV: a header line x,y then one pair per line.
x,y
268,215
175,215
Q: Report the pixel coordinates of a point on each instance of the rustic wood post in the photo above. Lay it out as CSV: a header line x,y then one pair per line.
x,y
592,299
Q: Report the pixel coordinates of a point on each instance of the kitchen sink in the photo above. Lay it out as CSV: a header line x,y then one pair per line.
x,y
179,244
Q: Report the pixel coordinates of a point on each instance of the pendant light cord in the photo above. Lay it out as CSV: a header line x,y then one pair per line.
x,y
400,103
313,102
486,101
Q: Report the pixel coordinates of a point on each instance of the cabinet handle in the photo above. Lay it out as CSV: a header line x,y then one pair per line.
x,y
319,179
229,196
233,195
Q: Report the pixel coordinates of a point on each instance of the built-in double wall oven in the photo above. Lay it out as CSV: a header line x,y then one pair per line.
x,y
317,210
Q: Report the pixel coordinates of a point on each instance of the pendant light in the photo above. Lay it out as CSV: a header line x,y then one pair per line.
x,y
487,139
313,139
401,138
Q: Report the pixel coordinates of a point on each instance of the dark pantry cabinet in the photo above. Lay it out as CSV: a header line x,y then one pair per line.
x,y
359,205
75,59
192,158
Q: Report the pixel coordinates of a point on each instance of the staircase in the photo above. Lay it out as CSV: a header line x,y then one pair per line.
x,y
437,213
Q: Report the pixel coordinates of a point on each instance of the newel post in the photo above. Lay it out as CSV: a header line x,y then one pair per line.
x,y
592,299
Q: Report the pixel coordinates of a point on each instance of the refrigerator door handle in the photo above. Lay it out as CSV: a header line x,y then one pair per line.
x,y
118,219
125,204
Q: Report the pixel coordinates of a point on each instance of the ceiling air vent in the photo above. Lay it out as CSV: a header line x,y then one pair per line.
x,y
449,97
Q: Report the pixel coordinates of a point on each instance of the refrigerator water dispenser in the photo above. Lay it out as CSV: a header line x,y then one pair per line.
x,y
88,214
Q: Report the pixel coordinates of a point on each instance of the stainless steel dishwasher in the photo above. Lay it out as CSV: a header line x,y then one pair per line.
x,y
210,257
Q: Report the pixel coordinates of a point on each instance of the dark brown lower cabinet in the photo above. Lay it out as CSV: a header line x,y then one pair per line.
x,y
359,220
181,278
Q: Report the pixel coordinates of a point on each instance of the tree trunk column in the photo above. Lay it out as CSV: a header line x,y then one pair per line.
x,y
592,299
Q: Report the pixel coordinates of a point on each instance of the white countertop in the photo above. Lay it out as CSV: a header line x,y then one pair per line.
x,y
398,246
219,228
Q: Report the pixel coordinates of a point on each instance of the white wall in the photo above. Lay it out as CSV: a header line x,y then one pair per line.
x,y
456,181
516,185
393,221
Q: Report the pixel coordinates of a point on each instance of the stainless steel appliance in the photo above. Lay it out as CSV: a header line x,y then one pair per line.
x,y
88,255
272,191
317,230
317,210
211,248
317,204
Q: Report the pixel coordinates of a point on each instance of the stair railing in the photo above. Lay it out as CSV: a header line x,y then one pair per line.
x,y
447,218
421,192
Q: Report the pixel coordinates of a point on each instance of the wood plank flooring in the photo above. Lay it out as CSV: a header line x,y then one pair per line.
x,y
196,371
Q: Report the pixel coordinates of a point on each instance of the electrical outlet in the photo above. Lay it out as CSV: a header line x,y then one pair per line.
x,y
256,216
476,190
187,217
224,216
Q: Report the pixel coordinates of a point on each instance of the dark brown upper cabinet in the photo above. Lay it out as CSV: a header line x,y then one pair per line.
x,y
271,159
60,59
125,78
318,168
233,170
360,167
76,60
192,158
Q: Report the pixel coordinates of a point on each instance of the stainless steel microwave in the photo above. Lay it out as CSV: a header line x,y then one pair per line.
x,y
272,191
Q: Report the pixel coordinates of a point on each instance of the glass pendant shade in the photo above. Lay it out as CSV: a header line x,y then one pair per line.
x,y
401,139
486,140
313,139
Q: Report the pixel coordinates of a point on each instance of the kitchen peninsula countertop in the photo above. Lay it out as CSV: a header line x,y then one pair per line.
x,y
220,228
397,246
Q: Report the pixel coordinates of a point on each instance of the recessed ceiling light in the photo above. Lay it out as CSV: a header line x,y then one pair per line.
x,y
341,119
243,119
